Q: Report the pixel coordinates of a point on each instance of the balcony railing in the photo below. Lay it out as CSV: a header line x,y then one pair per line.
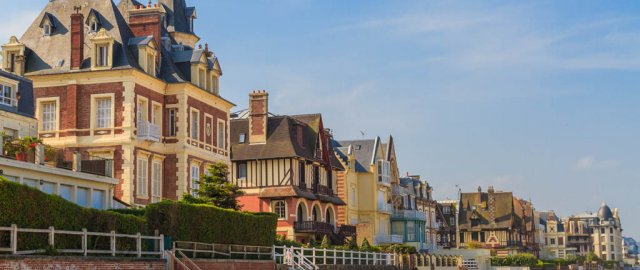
x,y
313,227
148,131
102,167
323,190
409,214
347,230
389,239
385,207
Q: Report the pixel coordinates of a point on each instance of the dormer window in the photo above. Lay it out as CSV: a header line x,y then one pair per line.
x,y
215,85
8,95
151,64
13,56
102,50
93,26
147,53
93,21
46,30
47,24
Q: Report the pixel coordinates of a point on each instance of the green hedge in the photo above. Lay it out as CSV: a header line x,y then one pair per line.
x,y
210,224
523,259
30,208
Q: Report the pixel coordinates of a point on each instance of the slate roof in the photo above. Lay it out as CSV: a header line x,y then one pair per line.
x,y
281,139
52,54
177,12
364,151
505,213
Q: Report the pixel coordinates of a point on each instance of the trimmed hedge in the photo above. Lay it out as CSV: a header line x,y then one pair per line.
x,y
30,208
210,224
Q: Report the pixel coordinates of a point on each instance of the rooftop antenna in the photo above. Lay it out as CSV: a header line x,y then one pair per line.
x,y
362,132
77,9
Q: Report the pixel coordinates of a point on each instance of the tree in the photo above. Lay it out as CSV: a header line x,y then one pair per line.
x,y
365,245
325,242
592,257
216,189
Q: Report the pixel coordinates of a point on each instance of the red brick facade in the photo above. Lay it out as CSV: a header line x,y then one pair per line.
x,y
79,263
216,114
77,40
147,23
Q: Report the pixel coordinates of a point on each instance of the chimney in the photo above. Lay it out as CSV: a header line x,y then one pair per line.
x,y
492,205
77,39
147,21
258,114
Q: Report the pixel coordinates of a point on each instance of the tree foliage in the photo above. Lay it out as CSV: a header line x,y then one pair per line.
x,y
216,189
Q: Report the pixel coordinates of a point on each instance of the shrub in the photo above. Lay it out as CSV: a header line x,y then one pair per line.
x,y
399,248
524,259
211,224
365,245
38,210
281,240
325,242
139,212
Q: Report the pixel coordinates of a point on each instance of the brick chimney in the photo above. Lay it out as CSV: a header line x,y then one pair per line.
x,y
77,40
147,21
492,205
258,114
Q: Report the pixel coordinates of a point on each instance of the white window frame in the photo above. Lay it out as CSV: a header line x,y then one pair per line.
x,y
102,56
94,110
194,127
172,116
156,113
93,26
239,165
142,175
156,178
46,29
12,99
194,175
221,135
274,209
40,111
142,109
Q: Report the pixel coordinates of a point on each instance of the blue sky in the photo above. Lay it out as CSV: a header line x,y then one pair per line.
x,y
540,98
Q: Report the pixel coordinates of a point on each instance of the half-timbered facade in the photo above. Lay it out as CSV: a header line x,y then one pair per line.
x,y
286,165
126,82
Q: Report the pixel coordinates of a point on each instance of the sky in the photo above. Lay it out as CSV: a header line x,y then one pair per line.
x,y
539,97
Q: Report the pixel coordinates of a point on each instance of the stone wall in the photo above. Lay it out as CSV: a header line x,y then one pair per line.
x,y
78,263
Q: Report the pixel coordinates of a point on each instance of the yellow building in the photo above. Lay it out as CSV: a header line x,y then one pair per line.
x,y
365,186
126,83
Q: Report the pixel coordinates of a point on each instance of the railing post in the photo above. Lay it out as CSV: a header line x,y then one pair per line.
x,y
213,251
14,238
77,162
162,244
40,156
52,234
324,256
313,255
244,255
84,241
113,243
139,244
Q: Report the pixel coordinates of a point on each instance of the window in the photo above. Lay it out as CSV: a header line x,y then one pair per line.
x,y
156,114
172,122
603,238
195,178
143,177
214,85
221,135
82,197
611,238
102,56
242,171
8,96
610,230
552,241
279,207
93,26
243,138
49,112
302,173
103,113
46,29
561,241
195,124
602,230
201,78
411,231
151,64
47,187
142,114
11,62
612,249
97,199
30,182
604,248
66,192
383,171
446,210
156,179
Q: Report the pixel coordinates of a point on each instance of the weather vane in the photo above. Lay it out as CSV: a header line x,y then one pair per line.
x,y
77,9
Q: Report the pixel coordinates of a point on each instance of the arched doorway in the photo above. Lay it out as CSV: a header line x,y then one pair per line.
x,y
301,212
330,216
315,213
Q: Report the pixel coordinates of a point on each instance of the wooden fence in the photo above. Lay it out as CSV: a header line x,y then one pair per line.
x,y
83,236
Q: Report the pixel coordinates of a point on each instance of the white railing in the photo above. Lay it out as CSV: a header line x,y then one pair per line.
x,y
385,207
148,131
158,242
390,239
319,256
297,260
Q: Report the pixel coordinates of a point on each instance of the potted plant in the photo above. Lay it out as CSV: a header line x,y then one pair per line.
x,y
51,155
23,147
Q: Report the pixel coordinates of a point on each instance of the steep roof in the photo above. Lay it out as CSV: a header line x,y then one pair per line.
x,y
177,14
477,202
282,139
364,151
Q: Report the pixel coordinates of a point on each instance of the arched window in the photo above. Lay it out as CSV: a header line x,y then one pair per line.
x,y
301,213
315,214
328,218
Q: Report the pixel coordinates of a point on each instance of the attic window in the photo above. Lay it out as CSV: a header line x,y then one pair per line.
x,y
93,26
46,29
358,147
243,138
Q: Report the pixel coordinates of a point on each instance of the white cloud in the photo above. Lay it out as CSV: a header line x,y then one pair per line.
x,y
590,162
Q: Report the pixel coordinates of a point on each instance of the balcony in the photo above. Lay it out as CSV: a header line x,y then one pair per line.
x,y
389,239
313,227
409,215
320,189
148,131
385,207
